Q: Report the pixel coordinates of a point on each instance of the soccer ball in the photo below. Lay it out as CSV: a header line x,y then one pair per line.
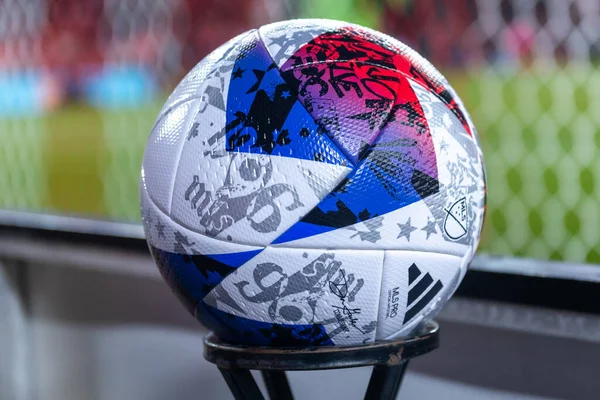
x,y
313,182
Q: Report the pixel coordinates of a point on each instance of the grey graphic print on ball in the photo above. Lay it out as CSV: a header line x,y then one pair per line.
x,y
246,192
322,288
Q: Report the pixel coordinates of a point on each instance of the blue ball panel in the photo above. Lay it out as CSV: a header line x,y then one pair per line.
x,y
191,277
374,188
235,259
234,329
264,115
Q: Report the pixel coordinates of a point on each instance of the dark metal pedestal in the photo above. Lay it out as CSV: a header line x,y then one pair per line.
x,y
390,360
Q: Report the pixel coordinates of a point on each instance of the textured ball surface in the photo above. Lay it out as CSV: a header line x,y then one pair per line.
x,y
313,182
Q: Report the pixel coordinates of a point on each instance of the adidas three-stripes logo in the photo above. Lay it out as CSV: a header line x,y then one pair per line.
x,y
420,292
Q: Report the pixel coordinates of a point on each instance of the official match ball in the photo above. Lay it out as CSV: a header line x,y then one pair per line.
x,y
313,182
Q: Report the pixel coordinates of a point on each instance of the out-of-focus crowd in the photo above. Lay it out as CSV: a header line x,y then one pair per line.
x,y
116,53
108,53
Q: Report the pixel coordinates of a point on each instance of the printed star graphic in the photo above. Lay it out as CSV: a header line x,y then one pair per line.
x,y
279,40
430,227
405,230
160,228
285,94
372,235
237,73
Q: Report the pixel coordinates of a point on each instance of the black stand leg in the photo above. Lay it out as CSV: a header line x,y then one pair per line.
x,y
277,385
385,381
242,384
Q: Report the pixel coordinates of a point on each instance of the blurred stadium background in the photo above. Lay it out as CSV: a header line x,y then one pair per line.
x,y
82,81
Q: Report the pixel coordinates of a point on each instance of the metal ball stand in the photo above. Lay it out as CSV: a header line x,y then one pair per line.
x,y
389,358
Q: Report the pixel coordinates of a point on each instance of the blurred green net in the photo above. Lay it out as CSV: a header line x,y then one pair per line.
x,y
526,70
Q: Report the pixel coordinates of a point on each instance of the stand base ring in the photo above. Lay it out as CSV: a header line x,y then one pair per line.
x,y
390,359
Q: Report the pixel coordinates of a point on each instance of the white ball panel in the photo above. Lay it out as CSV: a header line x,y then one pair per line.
x,y
211,191
413,285
161,156
338,288
285,38
162,232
